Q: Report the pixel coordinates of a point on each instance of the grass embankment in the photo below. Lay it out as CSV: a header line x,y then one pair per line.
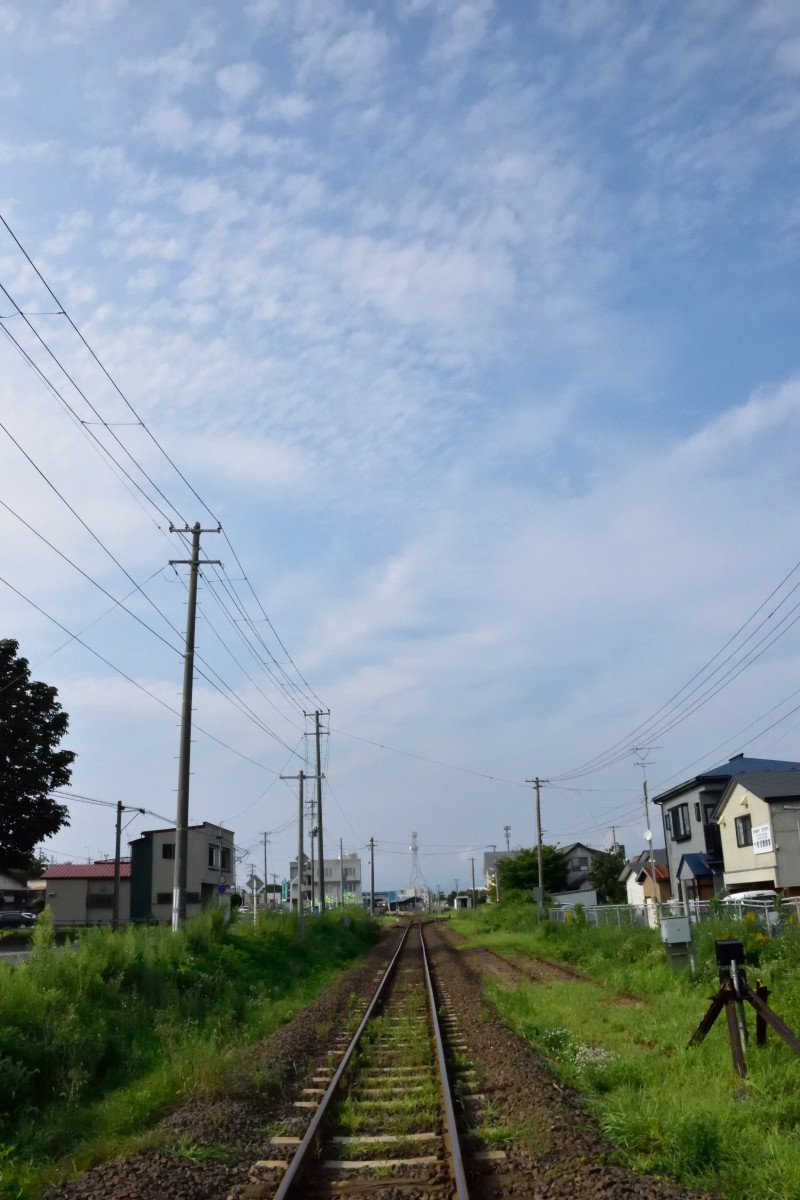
x,y
100,1038
620,1038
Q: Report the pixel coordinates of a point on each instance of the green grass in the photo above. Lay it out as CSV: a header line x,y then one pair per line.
x,y
620,1037
100,1039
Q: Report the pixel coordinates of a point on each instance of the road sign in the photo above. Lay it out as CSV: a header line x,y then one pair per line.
x,y
221,888
222,879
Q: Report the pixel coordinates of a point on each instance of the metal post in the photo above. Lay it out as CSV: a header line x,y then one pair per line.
x,y
182,811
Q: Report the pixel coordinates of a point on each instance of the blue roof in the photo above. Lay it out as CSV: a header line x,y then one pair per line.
x,y
697,865
747,766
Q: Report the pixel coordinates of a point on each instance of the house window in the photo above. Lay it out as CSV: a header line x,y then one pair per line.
x,y
226,858
744,830
213,855
679,823
580,863
708,809
163,897
168,850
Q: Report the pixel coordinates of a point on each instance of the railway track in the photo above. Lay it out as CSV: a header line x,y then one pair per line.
x,y
384,1121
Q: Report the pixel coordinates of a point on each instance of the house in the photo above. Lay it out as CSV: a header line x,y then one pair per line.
x,y
342,881
579,865
15,888
658,892
209,866
759,821
83,893
629,875
692,836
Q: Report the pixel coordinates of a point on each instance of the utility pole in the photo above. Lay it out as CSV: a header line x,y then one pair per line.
x,y
117,848
507,832
539,852
311,835
320,849
182,813
266,876
300,777
640,751
341,875
472,861
372,877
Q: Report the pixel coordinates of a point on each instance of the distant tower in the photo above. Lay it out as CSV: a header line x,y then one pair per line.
x,y
416,883
507,832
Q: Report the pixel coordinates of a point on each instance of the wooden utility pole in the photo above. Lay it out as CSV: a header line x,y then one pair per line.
x,y
372,877
182,813
539,852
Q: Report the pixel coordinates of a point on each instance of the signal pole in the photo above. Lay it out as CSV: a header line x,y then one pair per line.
x,y
182,813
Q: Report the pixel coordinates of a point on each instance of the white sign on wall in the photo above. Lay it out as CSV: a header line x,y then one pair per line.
x,y
762,839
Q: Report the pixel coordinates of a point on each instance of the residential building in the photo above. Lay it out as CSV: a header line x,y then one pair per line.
x,y
631,872
15,888
579,865
83,893
209,865
759,821
490,860
692,836
342,880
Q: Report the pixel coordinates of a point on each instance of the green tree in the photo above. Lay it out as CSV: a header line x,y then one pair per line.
x,y
32,723
521,874
604,876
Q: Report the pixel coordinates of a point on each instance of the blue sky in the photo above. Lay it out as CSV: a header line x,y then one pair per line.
x,y
476,325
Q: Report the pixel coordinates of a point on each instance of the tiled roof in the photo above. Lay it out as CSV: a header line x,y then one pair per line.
x,y
101,870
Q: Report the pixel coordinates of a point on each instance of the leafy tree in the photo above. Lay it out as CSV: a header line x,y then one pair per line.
x,y
32,723
604,876
522,873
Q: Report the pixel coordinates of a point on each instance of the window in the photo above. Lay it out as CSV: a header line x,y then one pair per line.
x,y
708,809
349,872
213,855
697,810
679,823
226,858
744,830
329,872
99,900
163,897
168,850
579,863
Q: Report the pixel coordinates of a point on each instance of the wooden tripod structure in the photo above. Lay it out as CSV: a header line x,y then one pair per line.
x,y
733,992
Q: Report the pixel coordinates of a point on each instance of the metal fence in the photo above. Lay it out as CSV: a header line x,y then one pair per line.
x,y
642,916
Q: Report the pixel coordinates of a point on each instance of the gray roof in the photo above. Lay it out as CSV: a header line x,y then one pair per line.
x,y
738,765
768,785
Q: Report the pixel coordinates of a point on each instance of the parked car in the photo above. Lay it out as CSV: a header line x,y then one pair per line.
x,y
764,896
14,919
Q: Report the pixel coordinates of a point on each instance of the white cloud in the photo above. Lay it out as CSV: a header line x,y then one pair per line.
x,y
239,80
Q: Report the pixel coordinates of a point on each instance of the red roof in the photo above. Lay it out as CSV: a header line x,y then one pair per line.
x,y
101,870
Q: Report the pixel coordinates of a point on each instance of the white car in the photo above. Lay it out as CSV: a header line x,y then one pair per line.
x,y
756,897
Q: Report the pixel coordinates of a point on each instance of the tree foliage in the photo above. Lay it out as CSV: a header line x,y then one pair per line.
x,y
604,876
32,723
522,873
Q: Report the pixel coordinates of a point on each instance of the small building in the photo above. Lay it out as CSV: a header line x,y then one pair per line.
x,y
654,892
342,878
209,865
759,820
15,888
83,893
629,875
462,900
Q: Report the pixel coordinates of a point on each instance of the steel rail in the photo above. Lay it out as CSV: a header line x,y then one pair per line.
x,y
451,1138
298,1161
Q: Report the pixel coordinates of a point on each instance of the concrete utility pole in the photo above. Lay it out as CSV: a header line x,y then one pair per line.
x,y
311,835
341,875
539,852
372,877
300,777
182,813
266,876
640,752
320,849
472,861
507,832
117,849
